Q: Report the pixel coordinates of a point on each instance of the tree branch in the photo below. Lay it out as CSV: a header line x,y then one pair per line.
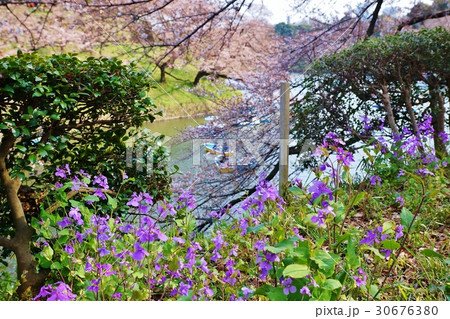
x,y
418,19
373,22
71,194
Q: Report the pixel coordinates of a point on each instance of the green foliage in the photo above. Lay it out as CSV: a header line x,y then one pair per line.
x,y
61,109
343,86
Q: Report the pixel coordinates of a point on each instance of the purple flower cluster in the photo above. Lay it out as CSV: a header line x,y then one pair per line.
x,y
58,292
318,189
375,180
360,280
377,236
265,191
141,202
323,213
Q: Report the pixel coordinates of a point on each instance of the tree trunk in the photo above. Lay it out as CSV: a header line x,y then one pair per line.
x,y
373,22
30,280
162,69
438,112
408,102
387,106
199,75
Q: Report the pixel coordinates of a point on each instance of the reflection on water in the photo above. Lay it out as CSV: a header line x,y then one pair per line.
x,y
180,154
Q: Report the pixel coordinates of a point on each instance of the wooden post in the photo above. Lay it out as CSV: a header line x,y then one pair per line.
x,y
284,138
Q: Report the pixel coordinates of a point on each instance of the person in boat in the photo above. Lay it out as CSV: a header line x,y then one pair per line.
x,y
225,148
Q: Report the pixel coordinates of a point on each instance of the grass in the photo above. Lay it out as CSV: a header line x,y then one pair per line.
x,y
176,97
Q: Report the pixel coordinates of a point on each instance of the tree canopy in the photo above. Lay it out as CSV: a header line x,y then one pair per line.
x,y
398,78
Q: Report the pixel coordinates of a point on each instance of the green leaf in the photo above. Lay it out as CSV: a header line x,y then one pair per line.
x,y
56,265
324,260
352,259
274,250
331,284
390,244
296,191
376,252
112,201
47,253
173,265
359,198
21,148
276,294
406,218
32,158
296,271
55,117
431,253
92,198
186,298
42,152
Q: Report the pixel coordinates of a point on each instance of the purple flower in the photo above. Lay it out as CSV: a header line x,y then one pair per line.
x,y
218,240
59,292
271,256
360,281
297,182
60,172
103,251
444,137
79,236
74,213
203,265
288,288
139,253
183,289
423,172
135,199
400,173
386,252
372,236
260,245
400,200
398,232
65,222
101,181
344,156
69,249
318,189
117,295
58,185
178,240
319,219
375,180
247,291
186,199
305,291
243,224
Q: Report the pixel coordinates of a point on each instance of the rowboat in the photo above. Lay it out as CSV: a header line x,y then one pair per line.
x,y
215,149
